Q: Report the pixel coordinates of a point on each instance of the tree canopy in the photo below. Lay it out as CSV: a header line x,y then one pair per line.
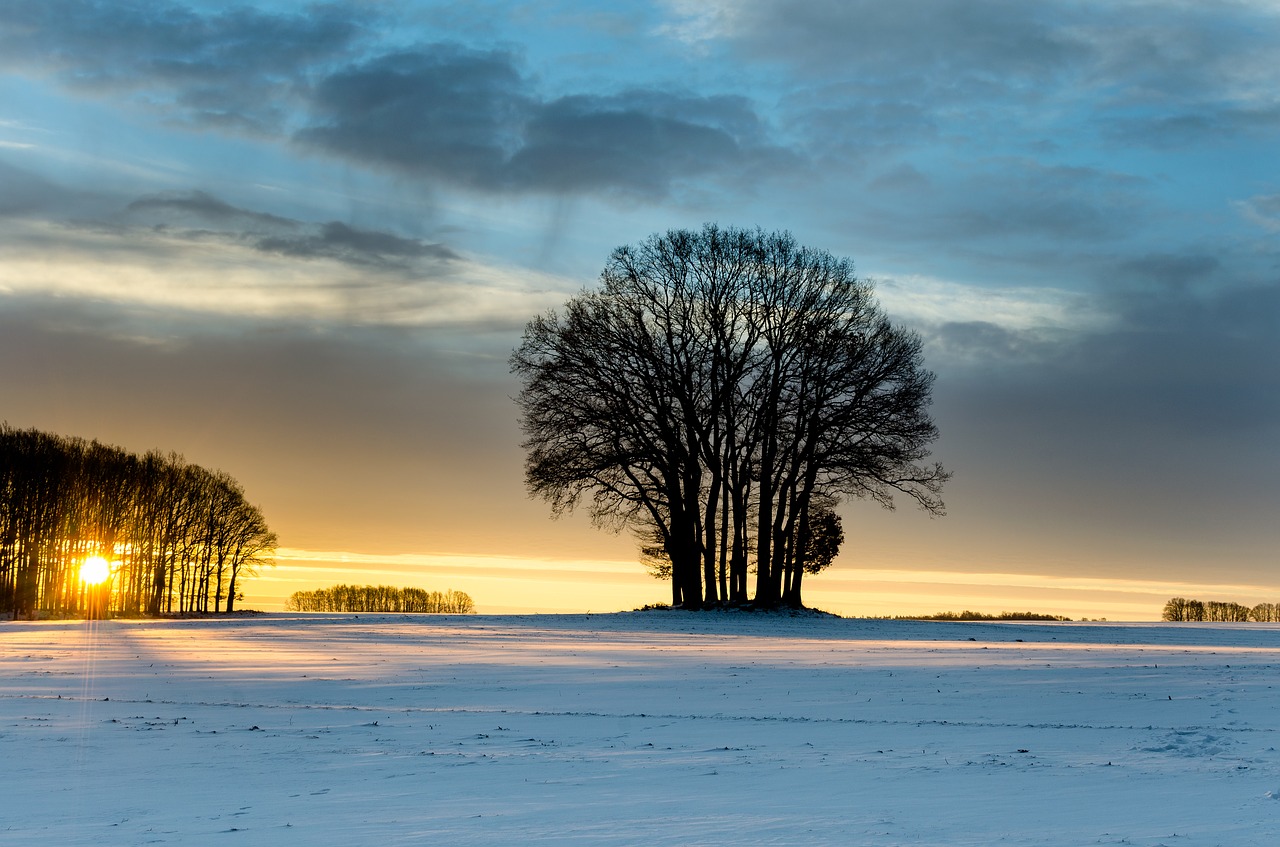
x,y
720,393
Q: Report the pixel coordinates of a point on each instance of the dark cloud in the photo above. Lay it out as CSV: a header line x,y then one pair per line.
x,y
912,47
444,111
1188,349
337,240
986,342
1014,202
1169,270
170,207
843,122
878,73
237,68
642,141
64,217
470,117
1207,123
1216,302
1159,430
1174,51
901,179
203,214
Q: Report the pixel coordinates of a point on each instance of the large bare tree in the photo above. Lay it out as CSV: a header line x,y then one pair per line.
x,y
718,393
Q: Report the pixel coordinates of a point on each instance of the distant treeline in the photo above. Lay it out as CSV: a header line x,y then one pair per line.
x,y
1181,609
380,598
179,538
980,616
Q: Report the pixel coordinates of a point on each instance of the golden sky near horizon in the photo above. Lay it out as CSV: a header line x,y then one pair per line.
x,y
516,585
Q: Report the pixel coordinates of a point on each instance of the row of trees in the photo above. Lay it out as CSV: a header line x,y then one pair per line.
x,y
179,538
719,395
380,598
1182,609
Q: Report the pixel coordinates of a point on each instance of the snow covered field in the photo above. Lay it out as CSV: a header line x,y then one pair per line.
x,y
652,728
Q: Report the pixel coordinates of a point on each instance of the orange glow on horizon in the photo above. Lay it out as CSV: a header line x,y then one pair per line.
x,y
523,585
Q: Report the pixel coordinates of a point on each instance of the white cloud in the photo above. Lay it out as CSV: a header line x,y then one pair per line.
x,y
1262,210
198,272
931,301
696,22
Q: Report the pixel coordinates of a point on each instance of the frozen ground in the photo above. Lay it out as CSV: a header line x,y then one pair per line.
x,y
652,729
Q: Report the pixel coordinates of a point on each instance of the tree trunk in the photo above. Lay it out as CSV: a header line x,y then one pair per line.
x,y
231,589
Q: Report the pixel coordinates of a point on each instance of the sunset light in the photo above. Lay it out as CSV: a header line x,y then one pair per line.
x,y
95,570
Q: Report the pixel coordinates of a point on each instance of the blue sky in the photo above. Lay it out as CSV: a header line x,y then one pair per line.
x,y
297,242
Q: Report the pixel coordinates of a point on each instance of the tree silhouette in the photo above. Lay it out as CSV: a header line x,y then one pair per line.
x,y
1175,609
1217,611
179,536
720,392
380,598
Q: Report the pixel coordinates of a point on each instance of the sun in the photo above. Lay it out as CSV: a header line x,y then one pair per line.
x,y
95,570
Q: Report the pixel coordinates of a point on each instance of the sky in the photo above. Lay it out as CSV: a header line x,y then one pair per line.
x,y
298,242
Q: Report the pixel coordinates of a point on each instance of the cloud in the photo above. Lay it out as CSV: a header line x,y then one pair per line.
x,y
1135,50
169,207
337,240
1154,74
1014,202
447,113
643,142
442,111
930,301
911,47
1262,210
1183,383
190,253
1194,124
1171,354
236,69
973,329
1169,271
1149,439
284,236
469,117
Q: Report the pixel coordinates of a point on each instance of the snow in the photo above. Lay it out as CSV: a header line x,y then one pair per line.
x,y
660,728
